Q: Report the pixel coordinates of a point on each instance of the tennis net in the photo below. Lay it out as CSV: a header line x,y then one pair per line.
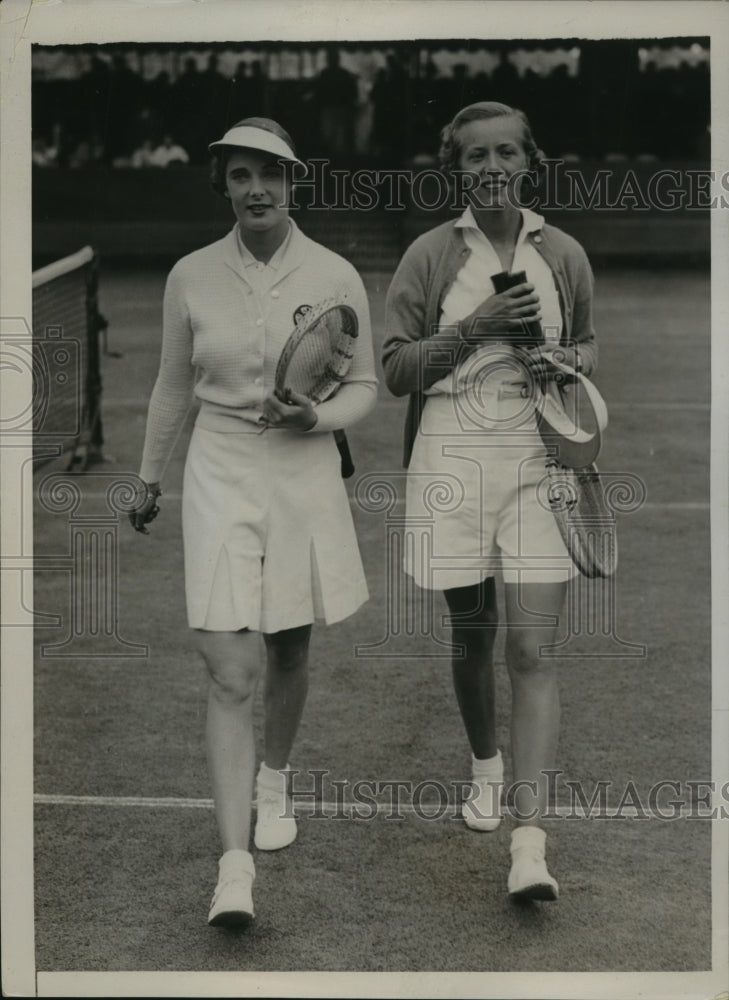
x,y
66,362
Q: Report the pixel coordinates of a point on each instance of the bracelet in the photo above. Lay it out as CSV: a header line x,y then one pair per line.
x,y
147,492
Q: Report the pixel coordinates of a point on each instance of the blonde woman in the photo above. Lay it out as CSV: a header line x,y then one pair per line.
x,y
449,345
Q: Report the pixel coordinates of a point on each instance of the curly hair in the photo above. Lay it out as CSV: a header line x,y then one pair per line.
x,y
219,157
450,149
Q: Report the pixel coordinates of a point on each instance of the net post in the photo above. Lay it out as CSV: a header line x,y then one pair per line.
x,y
95,325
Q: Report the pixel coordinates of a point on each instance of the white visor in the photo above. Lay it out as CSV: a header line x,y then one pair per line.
x,y
249,137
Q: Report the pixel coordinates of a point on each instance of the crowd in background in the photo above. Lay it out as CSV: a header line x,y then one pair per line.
x,y
606,105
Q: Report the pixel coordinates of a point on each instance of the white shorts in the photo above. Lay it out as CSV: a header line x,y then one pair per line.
x,y
472,503
268,532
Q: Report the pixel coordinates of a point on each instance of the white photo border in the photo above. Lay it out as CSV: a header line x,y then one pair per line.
x,y
72,22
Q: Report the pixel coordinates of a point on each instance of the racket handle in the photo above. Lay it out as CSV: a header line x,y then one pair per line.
x,y
505,280
345,455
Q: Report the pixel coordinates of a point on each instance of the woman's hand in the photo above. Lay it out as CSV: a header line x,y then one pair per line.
x,y
291,411
147,509
564,354
542,362
501,315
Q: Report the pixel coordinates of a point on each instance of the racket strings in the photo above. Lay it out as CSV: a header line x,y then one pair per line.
x,y
586,523
317,360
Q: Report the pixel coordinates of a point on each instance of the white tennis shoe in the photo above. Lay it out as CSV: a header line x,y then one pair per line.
x,y
232,902
483,810
529,877
275,821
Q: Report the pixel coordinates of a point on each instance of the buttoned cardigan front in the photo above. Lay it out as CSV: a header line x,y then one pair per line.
x,y
222,337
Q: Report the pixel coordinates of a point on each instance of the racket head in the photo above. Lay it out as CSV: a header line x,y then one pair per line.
x,y
587,525
318,353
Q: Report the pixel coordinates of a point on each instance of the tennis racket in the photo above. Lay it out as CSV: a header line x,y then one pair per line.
x,y
586,523
316,358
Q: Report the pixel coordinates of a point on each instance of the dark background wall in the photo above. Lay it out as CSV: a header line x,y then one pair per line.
x,y
634,107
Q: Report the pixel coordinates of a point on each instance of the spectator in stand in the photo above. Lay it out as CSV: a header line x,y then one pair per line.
x,y
93,94
188,120
121,106
158,154
389,96
461,88
455,89
88,152
564,140
335,92
168,153
43,154
216,89
505,81
248,89
142,155
257,86
156,110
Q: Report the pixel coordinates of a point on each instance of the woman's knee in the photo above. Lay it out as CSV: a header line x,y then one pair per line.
x,y
523,654
233,665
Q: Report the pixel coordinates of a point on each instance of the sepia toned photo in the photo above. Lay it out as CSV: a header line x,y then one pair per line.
x,y
364,499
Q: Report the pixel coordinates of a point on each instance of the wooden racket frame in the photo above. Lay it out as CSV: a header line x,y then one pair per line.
x,y
302,330
563,478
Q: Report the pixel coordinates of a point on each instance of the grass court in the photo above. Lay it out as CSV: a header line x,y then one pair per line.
x,y
126,846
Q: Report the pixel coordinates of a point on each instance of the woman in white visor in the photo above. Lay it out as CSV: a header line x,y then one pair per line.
x,y
269,540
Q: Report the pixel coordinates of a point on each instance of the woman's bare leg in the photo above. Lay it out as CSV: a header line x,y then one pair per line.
x,y
531,613
474,621
287,685
234,664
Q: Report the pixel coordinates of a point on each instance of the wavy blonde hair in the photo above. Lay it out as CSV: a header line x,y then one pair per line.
x,y
450,148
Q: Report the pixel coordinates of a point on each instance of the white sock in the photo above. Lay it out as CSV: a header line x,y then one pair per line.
x,y
492,767
528,836
234,861
270,777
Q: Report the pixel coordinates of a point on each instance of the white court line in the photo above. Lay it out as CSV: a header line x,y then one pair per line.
x,y
121,800
341,809
649,505
659,406
677,505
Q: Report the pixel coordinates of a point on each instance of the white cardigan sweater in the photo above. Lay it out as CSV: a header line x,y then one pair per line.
x,y
221,341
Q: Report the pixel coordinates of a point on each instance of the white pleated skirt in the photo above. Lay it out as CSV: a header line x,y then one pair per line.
x,y
269,540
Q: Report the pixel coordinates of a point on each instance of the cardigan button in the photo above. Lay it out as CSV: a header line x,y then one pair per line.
x,y
537,238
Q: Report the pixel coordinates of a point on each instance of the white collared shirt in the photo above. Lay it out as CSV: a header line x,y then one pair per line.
x,y
261,276
473,284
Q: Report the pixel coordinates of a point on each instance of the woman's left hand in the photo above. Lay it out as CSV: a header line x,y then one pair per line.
x,y
540,359
291,411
